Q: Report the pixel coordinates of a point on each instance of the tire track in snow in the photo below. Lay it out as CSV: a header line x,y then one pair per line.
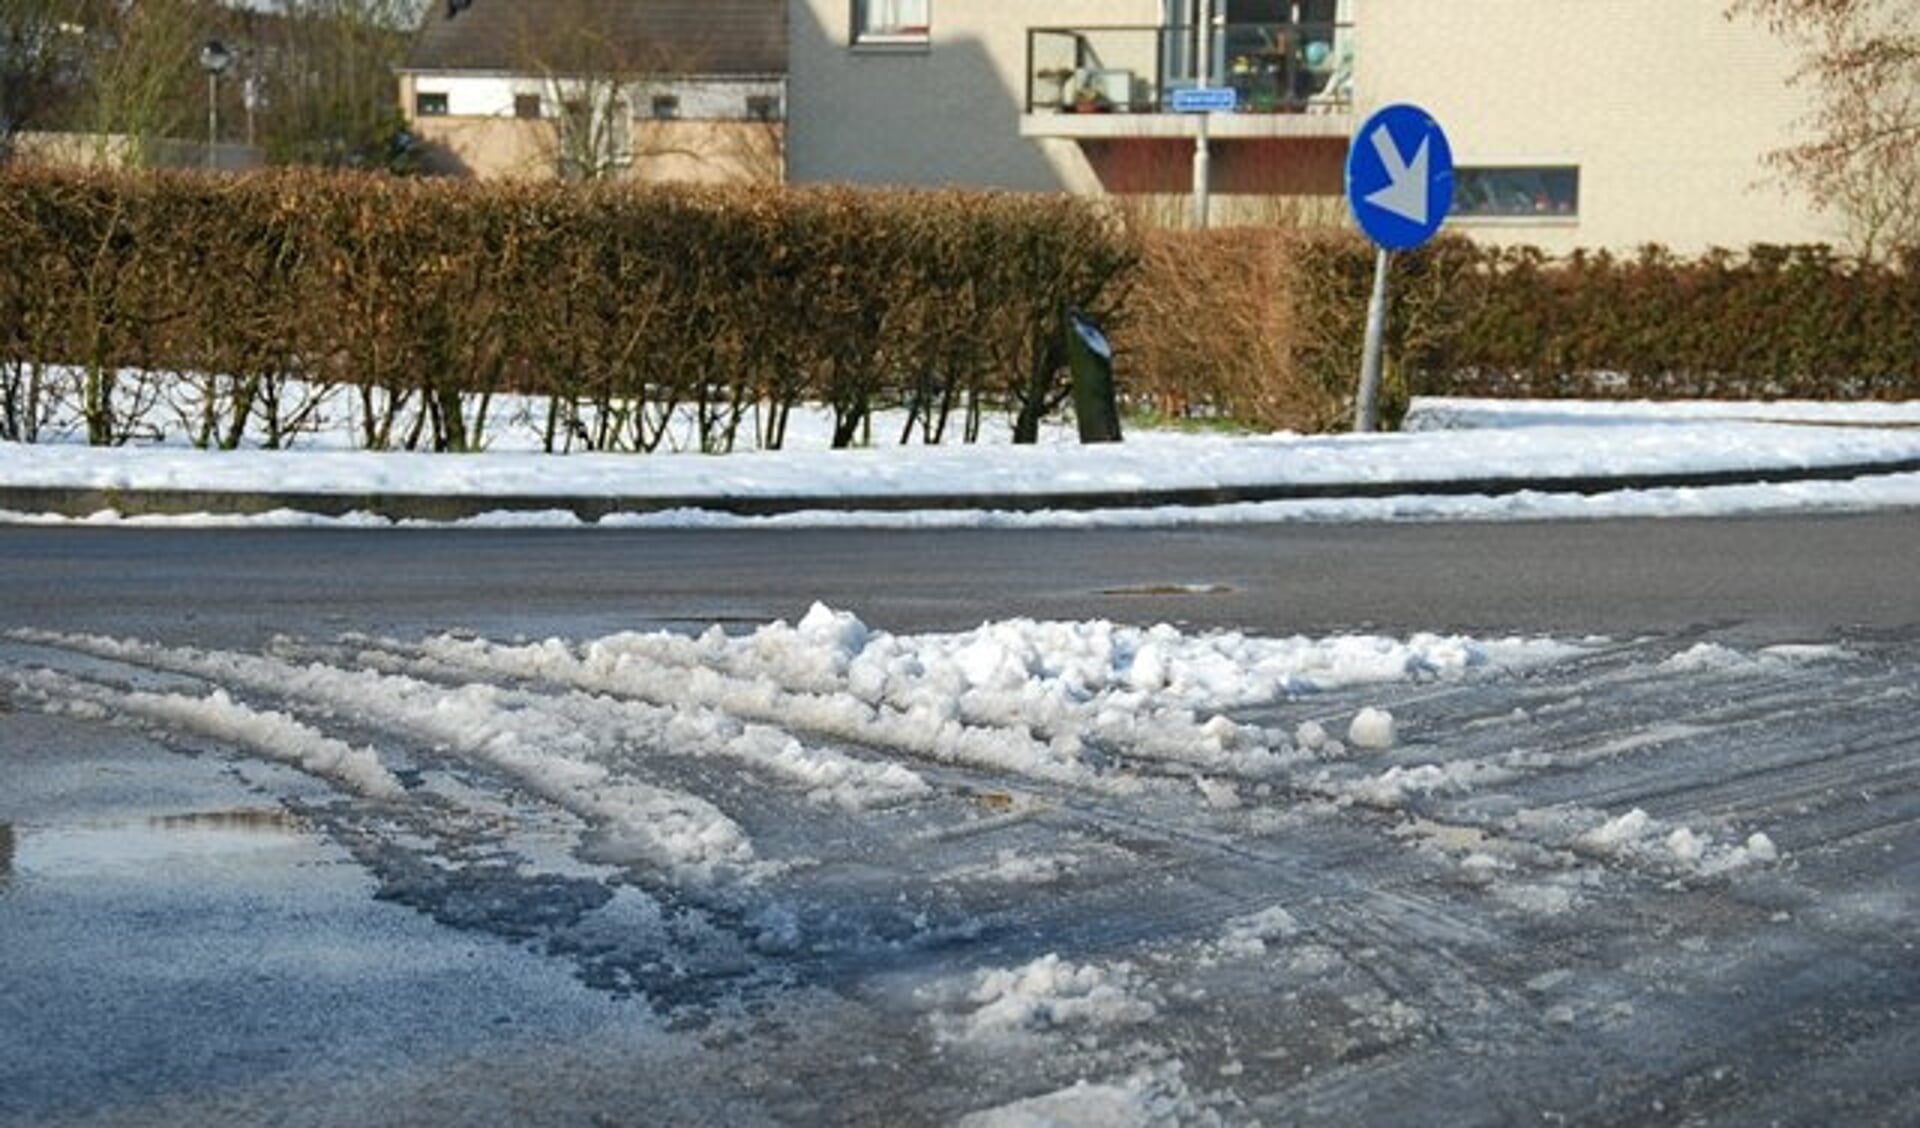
x,y
1801,745
275,736
925,733
1090,705
828,776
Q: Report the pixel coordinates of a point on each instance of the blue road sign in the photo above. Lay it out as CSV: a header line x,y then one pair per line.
x,y
1400,177
1204,99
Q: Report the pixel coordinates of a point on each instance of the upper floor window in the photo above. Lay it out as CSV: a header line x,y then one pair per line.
x,y
429,105
763,107
891,21
1537,191
666,107
526,106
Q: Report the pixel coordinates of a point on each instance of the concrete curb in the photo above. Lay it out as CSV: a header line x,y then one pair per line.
x,y
80,502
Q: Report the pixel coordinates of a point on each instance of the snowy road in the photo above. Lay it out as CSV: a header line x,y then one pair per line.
x,y
1034,869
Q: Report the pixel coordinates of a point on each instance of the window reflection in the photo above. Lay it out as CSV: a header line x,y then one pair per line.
x,y
1544,190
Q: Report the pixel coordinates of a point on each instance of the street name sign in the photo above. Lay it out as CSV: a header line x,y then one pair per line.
x,y
1204,99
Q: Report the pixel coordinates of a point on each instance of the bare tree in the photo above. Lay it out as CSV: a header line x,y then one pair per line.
x,y
143,80
593,80
43,50
320,80
1862,57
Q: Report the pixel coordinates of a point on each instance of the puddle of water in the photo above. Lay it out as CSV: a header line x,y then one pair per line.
x,y
256,821
1168,589
162,847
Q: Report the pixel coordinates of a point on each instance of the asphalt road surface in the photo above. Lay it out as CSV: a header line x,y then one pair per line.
x,y
1765,577
1671,876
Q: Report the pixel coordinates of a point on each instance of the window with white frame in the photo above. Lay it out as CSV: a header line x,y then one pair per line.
x,y
891,21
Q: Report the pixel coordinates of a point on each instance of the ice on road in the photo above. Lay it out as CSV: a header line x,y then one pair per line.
x,y
1083,872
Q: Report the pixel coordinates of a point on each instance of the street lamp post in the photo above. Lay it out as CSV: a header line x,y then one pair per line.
x,y
215,58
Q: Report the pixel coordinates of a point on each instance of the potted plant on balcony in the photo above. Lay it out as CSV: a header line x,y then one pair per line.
x,y
1089,100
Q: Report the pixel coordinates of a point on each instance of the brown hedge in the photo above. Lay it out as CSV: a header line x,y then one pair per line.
x,y
1265,326
430,296
632,308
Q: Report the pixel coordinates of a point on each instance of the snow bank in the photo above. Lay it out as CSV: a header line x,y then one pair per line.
x,y
832,711
1064,702
1090,705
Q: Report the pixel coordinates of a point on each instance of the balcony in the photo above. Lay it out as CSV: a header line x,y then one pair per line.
x,y
1288,79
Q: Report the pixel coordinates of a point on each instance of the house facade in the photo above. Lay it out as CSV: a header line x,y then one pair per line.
x,y
651,90
1573,123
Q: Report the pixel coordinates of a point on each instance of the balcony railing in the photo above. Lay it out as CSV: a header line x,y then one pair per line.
x,y
1273,68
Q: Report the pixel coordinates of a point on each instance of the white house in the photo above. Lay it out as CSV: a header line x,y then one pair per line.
x,y
658,90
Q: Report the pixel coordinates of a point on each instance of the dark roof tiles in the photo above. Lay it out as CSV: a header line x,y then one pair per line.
x,y
660,36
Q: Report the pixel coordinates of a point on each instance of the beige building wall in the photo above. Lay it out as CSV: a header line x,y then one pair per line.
x,y
487,148
709,152
1666,106
940,113
115,150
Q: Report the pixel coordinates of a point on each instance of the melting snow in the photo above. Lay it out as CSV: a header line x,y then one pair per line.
x,y
858,719
1047,994
1151,1098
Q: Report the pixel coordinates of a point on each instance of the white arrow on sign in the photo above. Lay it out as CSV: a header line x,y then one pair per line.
x,y
1406,192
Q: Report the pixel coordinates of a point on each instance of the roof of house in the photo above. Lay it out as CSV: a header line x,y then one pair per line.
x,y
655,36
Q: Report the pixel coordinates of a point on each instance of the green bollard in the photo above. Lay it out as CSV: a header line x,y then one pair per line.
x,y
1090,359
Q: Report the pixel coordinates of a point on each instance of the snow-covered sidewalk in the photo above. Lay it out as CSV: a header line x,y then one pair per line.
x,y
1458,459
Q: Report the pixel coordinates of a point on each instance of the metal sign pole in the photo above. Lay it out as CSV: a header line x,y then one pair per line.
x,y
1366,408
1202,174
1202,159
1400,186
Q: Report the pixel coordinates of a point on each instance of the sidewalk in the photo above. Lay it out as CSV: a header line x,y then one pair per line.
x,y
85,501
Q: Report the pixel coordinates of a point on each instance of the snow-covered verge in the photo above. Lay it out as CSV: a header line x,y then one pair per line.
x,y
1150,460
1433,413
1523,442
